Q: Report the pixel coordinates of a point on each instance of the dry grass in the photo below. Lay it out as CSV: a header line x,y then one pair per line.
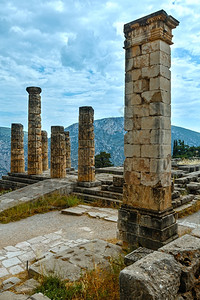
x,y
99,284
41,205
186,161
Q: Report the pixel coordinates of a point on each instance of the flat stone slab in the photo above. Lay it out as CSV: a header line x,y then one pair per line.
x,y
108,214
71,263
12,296
36,190
136,255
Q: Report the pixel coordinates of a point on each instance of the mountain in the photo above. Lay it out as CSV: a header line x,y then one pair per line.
x,y
109,134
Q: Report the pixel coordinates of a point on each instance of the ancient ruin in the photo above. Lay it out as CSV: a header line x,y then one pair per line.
x,y
45,163
58,152
68,150
146,217
17,149
34,131
86,151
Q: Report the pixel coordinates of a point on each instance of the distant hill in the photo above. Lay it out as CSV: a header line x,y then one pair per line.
x,y
109,137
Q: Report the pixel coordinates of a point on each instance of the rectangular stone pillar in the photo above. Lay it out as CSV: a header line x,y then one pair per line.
x,y
34,131
86,150
17,149
45,163
146,217
58,152
68,150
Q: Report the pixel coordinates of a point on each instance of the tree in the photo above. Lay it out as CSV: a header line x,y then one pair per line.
x,y
102,160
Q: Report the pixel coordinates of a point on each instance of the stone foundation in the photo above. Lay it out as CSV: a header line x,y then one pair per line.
x,y
17,149
58,152
140,227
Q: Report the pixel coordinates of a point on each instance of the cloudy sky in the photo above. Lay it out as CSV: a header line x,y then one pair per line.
x,y
73,50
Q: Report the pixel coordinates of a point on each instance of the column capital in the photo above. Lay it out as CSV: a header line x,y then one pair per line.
x,y
33,90
156,26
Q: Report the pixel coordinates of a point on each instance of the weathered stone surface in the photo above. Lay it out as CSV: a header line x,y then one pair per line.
x,y
11,296
17,149
186,250
86,150
38,296
71,263
45,164
58,152
156,277
68,150
27,287
136,255
34,131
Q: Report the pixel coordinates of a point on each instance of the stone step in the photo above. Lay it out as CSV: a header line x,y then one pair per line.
x,y
112,188
7,184
98,192
19,179
92,198
25,175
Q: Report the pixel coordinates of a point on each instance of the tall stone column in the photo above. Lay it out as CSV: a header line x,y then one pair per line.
x,y
146,217
58,152
86,150
68,150
17,149
34,131
45,164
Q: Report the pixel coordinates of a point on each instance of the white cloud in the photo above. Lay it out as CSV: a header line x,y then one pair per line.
x,y
74,51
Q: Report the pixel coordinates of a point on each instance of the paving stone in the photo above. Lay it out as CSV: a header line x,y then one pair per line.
x,y
76,211
13,254
38,296
10,282
30,255
11,262
97,214
3,272
11,249
36,240
11,296
16,270
23,245
111,219
70,263
52,236
27,287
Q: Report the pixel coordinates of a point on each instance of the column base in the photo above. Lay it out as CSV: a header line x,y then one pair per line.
x,y
89,183
145,228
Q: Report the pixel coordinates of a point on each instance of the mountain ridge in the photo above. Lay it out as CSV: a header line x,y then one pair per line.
x,y
109,134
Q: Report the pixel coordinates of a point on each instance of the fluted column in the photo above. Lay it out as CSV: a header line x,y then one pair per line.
x,y
86,150
68,150
58,152
45,164
17,149
34,131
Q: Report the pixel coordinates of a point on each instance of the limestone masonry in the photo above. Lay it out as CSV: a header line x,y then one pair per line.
x,y
34,131
17,149
45,164
58,152
147,218
86,150
68,150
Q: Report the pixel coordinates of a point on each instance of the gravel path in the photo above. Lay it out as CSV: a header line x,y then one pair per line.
x,y
75,227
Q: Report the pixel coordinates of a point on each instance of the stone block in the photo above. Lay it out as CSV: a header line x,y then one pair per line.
x,y
157,45
140,110
132,99
136,74
156,151
141,61
161,137
160,83
141,165
160,165
186,250
136,255
140,86
128,124
157,96
141,137
155,276
132,177
133,51
129,64
160,58
132,150
128,88
156,122
159,109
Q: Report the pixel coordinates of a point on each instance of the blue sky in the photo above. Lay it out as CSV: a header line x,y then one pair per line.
x,y
74,51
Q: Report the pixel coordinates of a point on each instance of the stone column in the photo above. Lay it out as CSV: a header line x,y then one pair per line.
x,y
17,149
34,131
146,217
45,164
58,152
86,151
68,150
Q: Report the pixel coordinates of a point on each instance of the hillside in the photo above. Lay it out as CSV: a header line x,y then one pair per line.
x,y
109,134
